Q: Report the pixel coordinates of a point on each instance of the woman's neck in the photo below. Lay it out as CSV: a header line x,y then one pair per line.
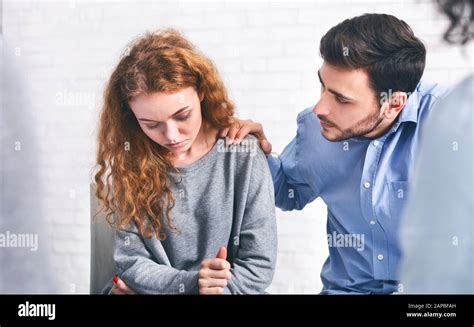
x,y
204,142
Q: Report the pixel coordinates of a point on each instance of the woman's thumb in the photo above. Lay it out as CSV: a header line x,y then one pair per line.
x,y
222,254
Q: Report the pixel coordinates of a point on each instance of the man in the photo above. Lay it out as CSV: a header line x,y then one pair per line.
x,y
356,148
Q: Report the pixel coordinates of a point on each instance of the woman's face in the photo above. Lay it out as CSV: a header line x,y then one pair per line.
x,y
173,120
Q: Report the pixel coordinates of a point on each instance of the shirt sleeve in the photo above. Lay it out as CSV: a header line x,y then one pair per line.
x,y
253,267
141,273
292,190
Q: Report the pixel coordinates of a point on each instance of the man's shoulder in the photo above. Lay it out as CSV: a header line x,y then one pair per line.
x,y
305,114
427,96
433,89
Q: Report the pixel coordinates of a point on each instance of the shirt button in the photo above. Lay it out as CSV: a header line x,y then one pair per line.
x,y
380,257
376,143
372,222
366,184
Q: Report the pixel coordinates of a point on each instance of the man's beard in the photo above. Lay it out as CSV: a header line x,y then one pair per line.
x,y
363,127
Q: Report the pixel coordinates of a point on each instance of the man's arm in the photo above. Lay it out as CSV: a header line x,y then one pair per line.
x,y
292,190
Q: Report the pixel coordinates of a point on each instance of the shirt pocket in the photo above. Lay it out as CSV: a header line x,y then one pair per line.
x,y
398,197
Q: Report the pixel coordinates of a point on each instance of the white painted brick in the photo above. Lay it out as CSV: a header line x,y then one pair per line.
x,y
302,261
224,20
267,52
285,64
264,81
254,65
272,18
206,36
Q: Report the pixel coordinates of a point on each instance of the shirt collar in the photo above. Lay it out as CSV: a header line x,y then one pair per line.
x,y
410,110
409,113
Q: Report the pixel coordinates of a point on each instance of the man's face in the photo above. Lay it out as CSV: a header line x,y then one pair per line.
x,y
348,107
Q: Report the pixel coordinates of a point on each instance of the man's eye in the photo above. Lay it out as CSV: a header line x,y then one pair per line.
x,y
340,100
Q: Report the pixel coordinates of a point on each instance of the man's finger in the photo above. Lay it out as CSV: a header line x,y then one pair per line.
x,y
243,132
233,130
266,146
223,132
262,138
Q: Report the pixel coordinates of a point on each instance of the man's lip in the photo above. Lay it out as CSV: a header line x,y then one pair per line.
x,y
325,124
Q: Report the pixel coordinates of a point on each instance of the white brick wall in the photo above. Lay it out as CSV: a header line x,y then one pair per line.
x,y
267,52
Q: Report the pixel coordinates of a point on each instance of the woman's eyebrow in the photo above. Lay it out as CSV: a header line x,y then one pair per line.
x,y
179,111
175,114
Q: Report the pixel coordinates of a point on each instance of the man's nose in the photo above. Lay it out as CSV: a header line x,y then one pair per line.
x,y
320,108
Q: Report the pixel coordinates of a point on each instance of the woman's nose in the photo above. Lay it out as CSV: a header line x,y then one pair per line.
x,y
171,132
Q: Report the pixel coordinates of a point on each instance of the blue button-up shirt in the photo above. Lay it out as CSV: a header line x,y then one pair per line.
x,y
364,183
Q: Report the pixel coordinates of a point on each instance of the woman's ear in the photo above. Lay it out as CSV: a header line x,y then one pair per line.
x,y
201,96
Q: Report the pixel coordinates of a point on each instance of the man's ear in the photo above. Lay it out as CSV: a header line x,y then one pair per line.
x,y
395,104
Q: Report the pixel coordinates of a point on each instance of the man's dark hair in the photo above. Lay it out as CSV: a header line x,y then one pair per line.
x,y
383,45
461,20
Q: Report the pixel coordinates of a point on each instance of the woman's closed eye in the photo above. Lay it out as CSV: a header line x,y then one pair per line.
x,y
180,117
153,126
183,116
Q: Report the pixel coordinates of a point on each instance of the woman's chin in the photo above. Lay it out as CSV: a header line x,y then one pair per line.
x,y
178,148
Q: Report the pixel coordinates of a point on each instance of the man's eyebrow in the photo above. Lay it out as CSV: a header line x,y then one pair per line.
x,y
175,114
320,79
340,95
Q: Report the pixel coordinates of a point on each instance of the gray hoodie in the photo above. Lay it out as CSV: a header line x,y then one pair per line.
x,y
225,198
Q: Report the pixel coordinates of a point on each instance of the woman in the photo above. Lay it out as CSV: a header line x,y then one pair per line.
x,y
179,194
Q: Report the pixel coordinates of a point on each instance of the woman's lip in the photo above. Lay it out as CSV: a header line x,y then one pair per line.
x,y
175,145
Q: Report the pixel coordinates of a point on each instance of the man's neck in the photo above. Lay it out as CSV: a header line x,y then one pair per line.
x,y
383,128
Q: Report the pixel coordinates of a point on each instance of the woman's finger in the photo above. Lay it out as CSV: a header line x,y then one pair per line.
x,y
212,273
212,282
116,290
123,287
219,264
212,291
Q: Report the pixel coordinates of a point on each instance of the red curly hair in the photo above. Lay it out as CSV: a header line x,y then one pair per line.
x,y
132,170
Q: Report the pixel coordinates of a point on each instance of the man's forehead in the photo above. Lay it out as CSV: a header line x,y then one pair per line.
x,y
344,80
344,75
